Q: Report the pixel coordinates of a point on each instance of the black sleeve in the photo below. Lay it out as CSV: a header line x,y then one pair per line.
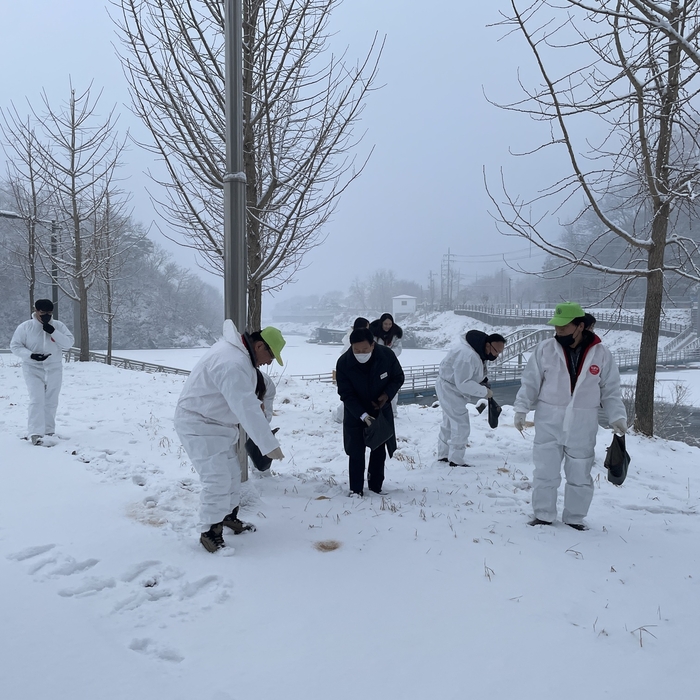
x,y
350,398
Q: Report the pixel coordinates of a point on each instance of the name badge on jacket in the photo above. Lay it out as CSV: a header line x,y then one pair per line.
x,y
383,375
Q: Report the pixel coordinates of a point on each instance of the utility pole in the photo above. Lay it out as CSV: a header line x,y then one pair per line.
x,y
431,289
235,251
447,282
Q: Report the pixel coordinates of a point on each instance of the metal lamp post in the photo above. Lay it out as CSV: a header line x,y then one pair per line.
x,y
235,250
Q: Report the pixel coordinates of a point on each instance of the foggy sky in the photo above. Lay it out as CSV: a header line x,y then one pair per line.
x,y
432,129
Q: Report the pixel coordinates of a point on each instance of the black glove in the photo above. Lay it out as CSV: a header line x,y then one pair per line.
x,y
381,400
39,357
49,328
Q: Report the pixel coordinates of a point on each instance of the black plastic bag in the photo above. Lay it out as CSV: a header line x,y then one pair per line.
x,y
259,460
494,411
378,432
617,460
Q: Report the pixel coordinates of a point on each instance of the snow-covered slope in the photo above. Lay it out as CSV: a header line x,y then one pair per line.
x,y
438,589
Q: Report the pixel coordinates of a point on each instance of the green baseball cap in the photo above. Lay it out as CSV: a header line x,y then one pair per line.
x,y
565,313
273,337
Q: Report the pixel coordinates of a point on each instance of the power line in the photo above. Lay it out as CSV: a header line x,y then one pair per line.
x,y
496,257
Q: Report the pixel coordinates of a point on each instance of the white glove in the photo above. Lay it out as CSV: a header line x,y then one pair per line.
x,y
619,426
368,420
276,453
489,393
519,421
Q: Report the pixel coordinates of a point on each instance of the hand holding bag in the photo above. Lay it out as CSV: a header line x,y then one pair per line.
x,y
378,432
259,460
617,460
494,412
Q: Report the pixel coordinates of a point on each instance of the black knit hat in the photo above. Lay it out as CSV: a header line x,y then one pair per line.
x,y
44,305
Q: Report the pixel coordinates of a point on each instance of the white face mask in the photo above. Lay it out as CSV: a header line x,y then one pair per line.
x,y
363,357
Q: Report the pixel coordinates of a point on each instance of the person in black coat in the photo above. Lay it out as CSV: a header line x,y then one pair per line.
x,y
386,332
368,377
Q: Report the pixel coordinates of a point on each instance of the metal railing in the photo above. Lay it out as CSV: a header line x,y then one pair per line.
x,y
73,355
515,347
620,321
627,360
414,370
681,340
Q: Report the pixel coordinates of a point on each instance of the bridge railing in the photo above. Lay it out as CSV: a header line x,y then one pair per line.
x,y
681,340
73,355
606,319
524,343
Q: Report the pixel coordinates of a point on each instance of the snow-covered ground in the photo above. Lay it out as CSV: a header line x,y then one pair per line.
x,y
438,589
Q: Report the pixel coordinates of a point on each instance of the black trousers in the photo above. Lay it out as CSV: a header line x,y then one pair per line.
x,y
375,471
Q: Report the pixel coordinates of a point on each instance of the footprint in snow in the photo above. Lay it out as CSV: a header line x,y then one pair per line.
x,y
138,598
189,590
38,566
137,569
89,586
159,651
71,566
30,552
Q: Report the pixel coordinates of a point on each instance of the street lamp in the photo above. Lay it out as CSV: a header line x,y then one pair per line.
x,y
54,251
235,251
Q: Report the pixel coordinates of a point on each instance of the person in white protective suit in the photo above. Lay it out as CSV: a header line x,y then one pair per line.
x,y
461,380
224,391
39,342
566,380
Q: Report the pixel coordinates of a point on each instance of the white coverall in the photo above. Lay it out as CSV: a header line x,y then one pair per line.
x,y
566,424
458,383
43,378
218,396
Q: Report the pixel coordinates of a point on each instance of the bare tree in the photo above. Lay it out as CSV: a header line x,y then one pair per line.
x,y
79,155
116,236
30,198
632,97
381,287
301,105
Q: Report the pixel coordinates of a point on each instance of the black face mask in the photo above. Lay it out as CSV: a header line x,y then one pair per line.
x,y
490,356
566,341
45,318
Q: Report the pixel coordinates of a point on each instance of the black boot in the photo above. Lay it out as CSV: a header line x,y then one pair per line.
x,y
238,526
213,539
537,521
